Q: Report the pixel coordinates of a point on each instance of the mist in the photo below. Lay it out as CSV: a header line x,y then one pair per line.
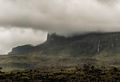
x,y
63,17
13,37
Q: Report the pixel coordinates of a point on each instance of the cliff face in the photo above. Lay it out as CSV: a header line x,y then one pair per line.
x,y
80,45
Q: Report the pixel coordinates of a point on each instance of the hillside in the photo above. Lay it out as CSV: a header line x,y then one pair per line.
x,y
80,45
94,48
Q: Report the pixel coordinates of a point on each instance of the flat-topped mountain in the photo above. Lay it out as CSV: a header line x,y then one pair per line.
x,y
80,45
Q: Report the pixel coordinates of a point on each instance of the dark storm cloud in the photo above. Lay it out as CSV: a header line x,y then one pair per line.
x,y
61,16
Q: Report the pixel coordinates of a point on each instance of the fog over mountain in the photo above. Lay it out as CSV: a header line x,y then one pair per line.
x,y
64,17
13,37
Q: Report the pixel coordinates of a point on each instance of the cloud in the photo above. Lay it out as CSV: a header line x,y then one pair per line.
x,y
61,16
13,37
108,2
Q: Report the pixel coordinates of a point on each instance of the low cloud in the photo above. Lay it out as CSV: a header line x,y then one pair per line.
x,y
64,17
13,37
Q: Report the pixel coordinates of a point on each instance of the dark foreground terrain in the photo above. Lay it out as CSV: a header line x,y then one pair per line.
x,y
88,73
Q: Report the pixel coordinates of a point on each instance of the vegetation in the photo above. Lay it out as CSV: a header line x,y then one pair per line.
x,y
58,53
101,49
87,73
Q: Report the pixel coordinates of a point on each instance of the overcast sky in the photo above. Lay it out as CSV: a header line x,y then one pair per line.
x,y
28,21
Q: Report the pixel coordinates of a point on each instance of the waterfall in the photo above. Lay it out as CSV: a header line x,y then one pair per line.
x,y
98,48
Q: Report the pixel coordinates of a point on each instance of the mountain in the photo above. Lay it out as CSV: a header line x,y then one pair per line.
x,y
80,45
101,49
22,49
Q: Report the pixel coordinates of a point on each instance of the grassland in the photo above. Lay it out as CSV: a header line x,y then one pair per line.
x,y
88,73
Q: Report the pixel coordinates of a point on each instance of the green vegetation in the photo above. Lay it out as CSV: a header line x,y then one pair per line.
x,y
34,60
88,73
